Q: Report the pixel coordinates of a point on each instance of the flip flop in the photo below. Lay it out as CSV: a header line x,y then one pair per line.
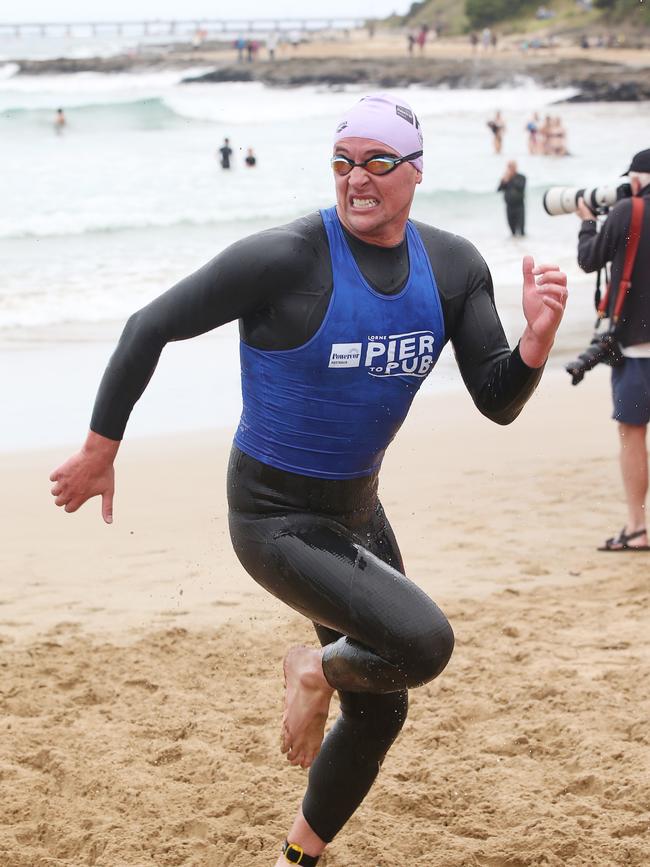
x,y
620,542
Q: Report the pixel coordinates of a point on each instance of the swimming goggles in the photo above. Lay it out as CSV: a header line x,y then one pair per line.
x,y
381,164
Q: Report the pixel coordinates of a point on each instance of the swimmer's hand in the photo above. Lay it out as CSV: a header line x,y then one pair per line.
x,y
88,473
544,299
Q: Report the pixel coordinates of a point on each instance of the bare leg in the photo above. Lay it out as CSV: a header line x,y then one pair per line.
x,y
307,701
634,470
303,835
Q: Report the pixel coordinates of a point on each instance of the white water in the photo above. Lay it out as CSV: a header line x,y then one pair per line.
x,y
130,198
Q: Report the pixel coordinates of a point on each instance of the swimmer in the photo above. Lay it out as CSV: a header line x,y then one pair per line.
x,y
59,121
343,313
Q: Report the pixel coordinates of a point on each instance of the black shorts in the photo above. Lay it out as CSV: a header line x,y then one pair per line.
x,y
631,391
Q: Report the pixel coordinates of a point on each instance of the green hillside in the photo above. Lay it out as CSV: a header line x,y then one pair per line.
x,y
453,17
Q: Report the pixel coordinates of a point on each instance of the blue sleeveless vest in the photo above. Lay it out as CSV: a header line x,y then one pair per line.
x,y
330,407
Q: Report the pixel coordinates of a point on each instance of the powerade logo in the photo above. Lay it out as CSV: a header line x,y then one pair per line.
x,y
409,354
345,355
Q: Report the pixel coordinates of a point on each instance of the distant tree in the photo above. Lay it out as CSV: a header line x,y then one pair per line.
x,y
482,13
415,7
413,11
620,7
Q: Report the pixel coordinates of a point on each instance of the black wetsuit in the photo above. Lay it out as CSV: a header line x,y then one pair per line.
x,y
324,546
513,193
226,153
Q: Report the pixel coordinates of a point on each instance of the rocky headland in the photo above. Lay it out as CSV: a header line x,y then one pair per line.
x,y
594,80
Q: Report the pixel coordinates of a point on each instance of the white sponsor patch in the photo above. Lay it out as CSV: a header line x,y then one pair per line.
x,y
410,354
345,355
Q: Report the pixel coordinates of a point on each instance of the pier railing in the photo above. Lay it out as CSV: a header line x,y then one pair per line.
x,y
181,27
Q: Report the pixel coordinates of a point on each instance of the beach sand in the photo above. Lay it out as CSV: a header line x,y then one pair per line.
x,y
393,43
141,687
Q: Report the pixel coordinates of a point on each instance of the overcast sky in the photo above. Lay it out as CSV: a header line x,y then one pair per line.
x,y
114,10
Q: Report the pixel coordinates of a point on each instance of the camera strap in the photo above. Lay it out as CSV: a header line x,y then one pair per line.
x,y
598,294
631,247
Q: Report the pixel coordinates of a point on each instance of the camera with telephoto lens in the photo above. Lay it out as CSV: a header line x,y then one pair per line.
x,y
564,200
603,347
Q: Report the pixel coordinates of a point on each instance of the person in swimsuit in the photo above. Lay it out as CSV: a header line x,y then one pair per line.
x,y
497,127
342,314
532,128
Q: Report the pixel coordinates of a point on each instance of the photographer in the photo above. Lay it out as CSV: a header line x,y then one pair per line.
x,y
631,381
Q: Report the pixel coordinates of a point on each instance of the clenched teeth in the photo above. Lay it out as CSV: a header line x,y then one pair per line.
x,y
364,203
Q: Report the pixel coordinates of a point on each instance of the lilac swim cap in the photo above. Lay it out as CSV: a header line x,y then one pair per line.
x,y
386,119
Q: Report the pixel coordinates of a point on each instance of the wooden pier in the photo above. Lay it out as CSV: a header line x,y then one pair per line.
x,y
178,27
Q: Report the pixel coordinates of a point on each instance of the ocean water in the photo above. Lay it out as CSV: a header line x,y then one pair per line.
x,y
130,198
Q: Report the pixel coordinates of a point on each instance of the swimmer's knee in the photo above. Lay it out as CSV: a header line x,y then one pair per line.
x,y
429,652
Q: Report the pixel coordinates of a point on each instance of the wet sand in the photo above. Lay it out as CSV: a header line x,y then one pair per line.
x,y
141,687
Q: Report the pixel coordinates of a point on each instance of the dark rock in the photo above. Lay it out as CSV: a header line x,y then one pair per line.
x,y
224,73
595,80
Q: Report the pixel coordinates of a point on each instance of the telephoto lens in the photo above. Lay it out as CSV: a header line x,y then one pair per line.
x,y
564,200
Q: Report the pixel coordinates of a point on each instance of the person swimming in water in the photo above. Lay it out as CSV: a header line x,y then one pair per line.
x,y
343,313
59,121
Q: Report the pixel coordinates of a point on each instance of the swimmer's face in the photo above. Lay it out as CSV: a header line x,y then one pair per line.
x,y
374,208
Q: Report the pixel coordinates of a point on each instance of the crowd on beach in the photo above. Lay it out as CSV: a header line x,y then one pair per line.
x,y
419,36
267,46
250,49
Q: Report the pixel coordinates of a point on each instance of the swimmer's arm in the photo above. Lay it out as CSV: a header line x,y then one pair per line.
x,y
234,284
497,378
228,287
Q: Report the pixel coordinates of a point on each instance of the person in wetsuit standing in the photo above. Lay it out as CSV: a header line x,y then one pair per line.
x,y
513,186
342,313
225,152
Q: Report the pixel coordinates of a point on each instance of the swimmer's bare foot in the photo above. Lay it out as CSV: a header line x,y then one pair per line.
x,y
306,704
